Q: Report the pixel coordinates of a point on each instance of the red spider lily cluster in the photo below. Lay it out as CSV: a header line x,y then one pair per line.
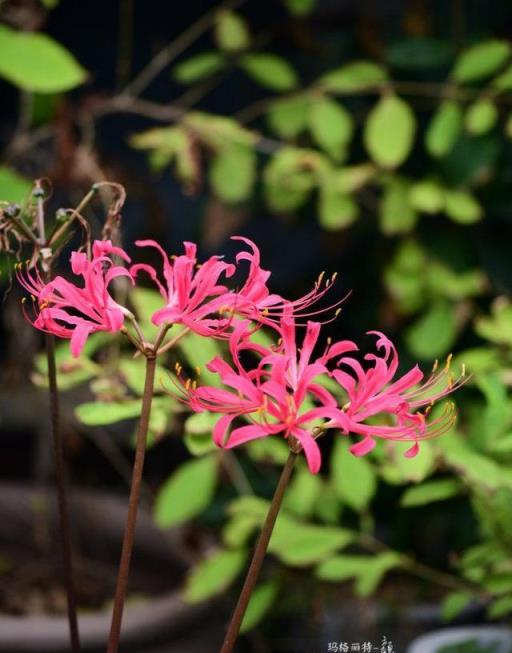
x,y
284,388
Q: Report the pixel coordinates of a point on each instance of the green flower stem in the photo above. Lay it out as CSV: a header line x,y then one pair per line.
x,y
133,502
258,557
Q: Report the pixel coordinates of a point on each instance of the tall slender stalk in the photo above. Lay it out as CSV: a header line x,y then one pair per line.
x,y
258,557
133,502
62,502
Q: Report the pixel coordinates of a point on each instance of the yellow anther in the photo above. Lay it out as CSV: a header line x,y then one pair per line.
x,y
333,278
187,384
198,370
448,361
435,365
320,277
463,370
23,300
337,312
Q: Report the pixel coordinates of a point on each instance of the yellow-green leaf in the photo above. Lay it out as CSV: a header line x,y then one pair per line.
x,y
198,67
232,172
353,77
462,207
444,129
426,493
331,127
481,60
481,117
288,117
214,575
353,478
187,492
231,31
389,131
270,71
36,62
261,601
13,187
397,214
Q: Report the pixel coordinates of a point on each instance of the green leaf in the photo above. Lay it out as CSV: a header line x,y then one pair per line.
x,y
499,583
397,214
232,173
302,492
389,131
300,7
299,544
198,352
434,333
397,469
368,571
353,77
504,81
353,478
498,326
288,179
187,492
336,210
231,32
419,53
288,117
261,601
198,67
427,196
500,607
370,577
480,60
35,62
481,116
454,604
268,450
99,413
331,127
13,187
351,178
426,493
327,507
239,529
214,575
270,71
462,207
444,129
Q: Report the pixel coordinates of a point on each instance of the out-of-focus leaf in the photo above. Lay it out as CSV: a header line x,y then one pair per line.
x,y
503,82
397,215
13,187
36,62
397,469
500,607
231,32
427,196
367,570
498,326
444,128
289,178
261,601
351,178
302,492
462,207
270,71
232,173
331,126
299,544
480,60
353,77
198,67
98,413
336,210
300,7
198,352
419,53
213,575
389,131
198,430
187,492
481,116
268,450
288,117
443,281
454,604
426,493
327,507
353,478
434,333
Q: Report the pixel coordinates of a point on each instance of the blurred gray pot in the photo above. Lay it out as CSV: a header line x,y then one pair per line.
x,y
98,521
483,635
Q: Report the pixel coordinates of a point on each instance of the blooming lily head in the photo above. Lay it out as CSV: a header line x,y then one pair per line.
x,y
278,396
68,310
373,391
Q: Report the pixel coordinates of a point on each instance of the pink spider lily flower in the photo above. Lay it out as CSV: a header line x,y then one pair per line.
x,y
276,396
193,294
373,392
68,310
255,301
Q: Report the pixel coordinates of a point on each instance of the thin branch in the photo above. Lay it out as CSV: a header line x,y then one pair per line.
x,y
175,48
